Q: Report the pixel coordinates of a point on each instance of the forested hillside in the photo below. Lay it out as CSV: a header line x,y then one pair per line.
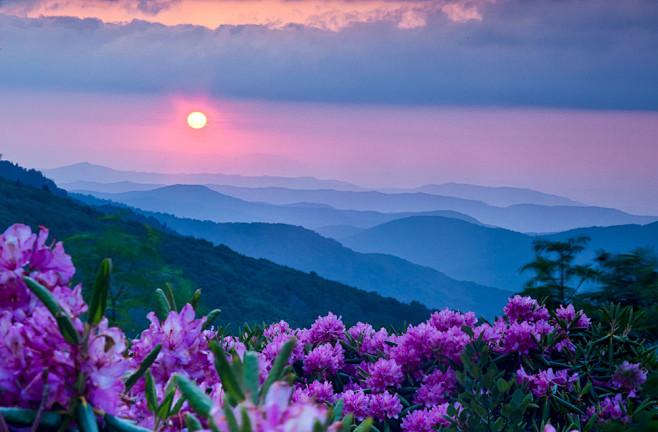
x,y
246,289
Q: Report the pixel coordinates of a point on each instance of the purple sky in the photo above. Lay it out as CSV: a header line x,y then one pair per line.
x,y
560,96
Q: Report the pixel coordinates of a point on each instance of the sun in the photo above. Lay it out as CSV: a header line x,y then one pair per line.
x,y
197,120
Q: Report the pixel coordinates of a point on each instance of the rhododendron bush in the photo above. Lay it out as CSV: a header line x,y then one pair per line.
x,y
62,366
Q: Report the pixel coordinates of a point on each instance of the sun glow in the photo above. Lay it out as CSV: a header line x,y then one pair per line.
x,y
196,120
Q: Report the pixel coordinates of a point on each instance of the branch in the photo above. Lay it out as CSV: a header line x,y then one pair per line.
x,y
44,400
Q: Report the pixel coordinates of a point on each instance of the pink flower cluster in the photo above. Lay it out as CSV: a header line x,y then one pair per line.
x,y
547,380
427,419
276,414
380,406
29,336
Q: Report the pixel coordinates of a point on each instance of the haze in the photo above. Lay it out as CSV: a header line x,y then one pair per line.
x,y
556,96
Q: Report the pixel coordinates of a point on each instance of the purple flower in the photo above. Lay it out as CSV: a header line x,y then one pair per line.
x,y
105,366
447,319
629,376
519,338
318,391
525,309
384,405
329,329
436,388
325,359
546,380
611,409
383,374
370,341
184,347
425,420
568,314
418,344
452,343
276,329
355,403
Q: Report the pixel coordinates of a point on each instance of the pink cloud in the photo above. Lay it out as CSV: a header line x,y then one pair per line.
x,y
327,15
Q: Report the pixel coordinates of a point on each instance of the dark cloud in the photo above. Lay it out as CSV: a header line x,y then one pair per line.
x,y
598,54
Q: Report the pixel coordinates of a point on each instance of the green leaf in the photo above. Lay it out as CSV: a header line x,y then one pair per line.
x,y
193,424
365,425
246,423
347,422
170,296
143,367
85,417
279,365
251,375
164,307
503,386
27,417
165,407
230,419
338,410
198,400
150,392
178,405
571,407
64,321
116,424
478,409
229,381
210,318
195,298
100,292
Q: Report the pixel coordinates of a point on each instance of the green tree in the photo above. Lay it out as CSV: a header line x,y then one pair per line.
x,y
138,270
556,277
631,280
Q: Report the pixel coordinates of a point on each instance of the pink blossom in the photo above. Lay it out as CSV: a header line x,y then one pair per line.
x,y
355,403
525,309
446,319
384,405
328,329
325,359
629,376
437,388
384,374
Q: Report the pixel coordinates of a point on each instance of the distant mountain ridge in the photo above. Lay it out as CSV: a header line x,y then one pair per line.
x,y
499,196
89,172
555,214
200,202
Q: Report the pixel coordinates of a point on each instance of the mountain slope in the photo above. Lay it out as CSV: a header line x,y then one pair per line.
x,y
486,255
489,256
307,251
244,288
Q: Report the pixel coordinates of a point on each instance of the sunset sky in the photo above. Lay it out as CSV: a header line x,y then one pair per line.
x,y
556,95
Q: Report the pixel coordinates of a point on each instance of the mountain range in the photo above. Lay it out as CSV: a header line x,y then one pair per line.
x,y
317,208
246,289
412,244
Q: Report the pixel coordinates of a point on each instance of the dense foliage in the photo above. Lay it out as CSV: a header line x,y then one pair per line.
x,y
532,369
629,279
